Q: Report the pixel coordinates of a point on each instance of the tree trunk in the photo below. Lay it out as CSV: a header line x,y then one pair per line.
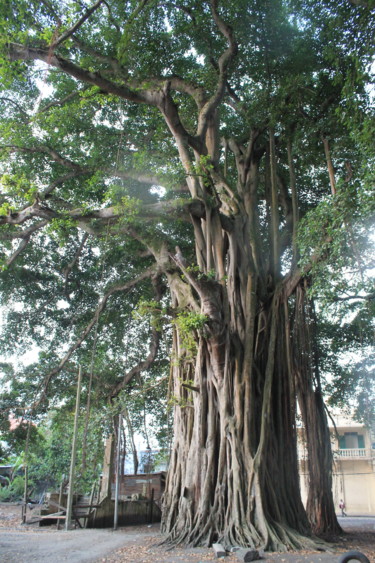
x,y
233,473
320,508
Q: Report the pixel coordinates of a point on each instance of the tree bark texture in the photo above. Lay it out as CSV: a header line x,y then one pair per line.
x,y
320,508
233,476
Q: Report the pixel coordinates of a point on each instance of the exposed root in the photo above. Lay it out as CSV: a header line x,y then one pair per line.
x,y
280,538
233,478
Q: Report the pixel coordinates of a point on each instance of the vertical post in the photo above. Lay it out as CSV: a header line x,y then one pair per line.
x,y
90,510
108,469
73,456
115,517
24,508
61,491
26,473
152,504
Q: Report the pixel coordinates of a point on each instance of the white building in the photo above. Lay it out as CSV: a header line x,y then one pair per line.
x,y
353,468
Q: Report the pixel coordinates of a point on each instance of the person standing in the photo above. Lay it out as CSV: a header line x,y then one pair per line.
x,y
342,506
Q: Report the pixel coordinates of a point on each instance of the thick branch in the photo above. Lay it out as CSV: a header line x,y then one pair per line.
x,y
83,216
223,65
275,221
43,149
35,210
293,189
22,52
169,109
176,82
26,233
249,155
369,297
180,85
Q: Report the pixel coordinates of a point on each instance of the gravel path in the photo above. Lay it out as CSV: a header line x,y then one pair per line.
x,y
78,546
141,544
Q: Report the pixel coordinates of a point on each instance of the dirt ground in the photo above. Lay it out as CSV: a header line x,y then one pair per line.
x,y
140,544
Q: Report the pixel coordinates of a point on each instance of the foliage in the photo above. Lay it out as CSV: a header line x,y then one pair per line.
x,y
14,490
190,324
235,134
52,465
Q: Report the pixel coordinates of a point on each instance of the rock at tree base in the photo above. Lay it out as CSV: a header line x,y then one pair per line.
x,y
248,555
219,550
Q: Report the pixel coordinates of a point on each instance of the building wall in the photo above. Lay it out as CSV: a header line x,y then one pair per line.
x,y
353,470
354,481
141,485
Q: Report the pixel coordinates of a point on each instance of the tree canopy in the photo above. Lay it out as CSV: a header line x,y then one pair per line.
x,y
178,180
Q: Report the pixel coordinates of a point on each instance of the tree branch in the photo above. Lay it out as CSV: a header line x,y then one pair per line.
x,y
38,209
99,310
35,210
180,85
111,19
62,101
141,366
20,248
71,264
4,99
99,56
22,52
154,347
61,180
46,150
369,297
169,109
77,25
223,65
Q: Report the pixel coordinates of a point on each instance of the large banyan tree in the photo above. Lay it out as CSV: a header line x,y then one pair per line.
x,y
165,153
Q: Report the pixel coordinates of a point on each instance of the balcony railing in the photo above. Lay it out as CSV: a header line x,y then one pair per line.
x,y
348,453
354,453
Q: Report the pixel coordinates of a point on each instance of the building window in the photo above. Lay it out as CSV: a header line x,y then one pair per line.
x,y
351,441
